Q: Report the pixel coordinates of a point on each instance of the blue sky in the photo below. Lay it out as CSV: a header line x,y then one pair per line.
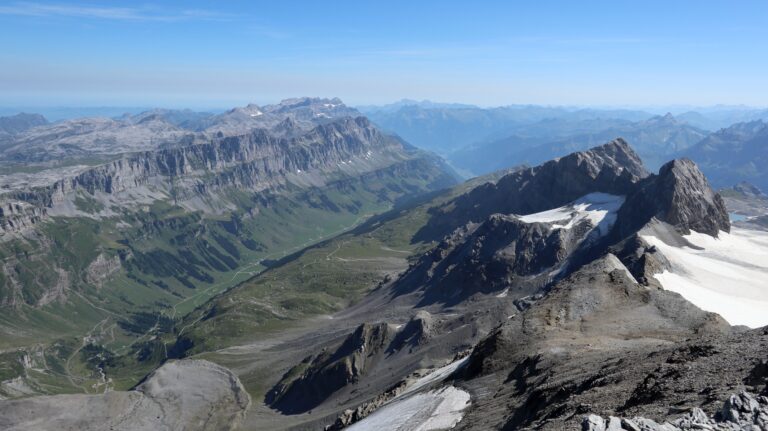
x,y
204,54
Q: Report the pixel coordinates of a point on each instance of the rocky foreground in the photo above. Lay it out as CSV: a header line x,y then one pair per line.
x,y
742,411
180,395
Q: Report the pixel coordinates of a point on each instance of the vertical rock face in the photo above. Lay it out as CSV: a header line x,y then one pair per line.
x,y
688,202
679,195
16,216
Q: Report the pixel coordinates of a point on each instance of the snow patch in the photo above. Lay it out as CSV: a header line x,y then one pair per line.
x,y
599,208
438,375
434,410
726,275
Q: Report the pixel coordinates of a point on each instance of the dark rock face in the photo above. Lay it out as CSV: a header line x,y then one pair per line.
x,y
312,381
687,201
15,216
612,168
679,195
642,260
416,332
487,255
502,251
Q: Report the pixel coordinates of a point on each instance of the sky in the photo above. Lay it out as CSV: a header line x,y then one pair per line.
x,y
205,54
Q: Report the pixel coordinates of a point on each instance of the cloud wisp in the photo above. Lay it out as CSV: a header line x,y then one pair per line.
x,y
110,13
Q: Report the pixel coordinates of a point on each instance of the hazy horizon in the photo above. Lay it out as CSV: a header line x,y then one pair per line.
x,y
118,109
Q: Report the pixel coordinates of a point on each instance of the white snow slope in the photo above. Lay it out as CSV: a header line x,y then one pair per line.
x,y
599,208
437,409
728,276
434,410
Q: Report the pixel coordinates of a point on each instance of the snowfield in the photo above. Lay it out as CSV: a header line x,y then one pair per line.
x,y
437,409
434,410
599,208
438,375
727,275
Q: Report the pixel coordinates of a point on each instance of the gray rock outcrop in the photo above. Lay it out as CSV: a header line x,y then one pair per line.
x,y
180,395
680,196
742,411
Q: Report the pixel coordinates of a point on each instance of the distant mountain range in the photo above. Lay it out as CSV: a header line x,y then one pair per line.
x,y
474,140
655,139
719,117
85,140
446,128
734,154
20,123
480,140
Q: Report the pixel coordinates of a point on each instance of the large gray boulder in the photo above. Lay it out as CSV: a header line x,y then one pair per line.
x,y
180,395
